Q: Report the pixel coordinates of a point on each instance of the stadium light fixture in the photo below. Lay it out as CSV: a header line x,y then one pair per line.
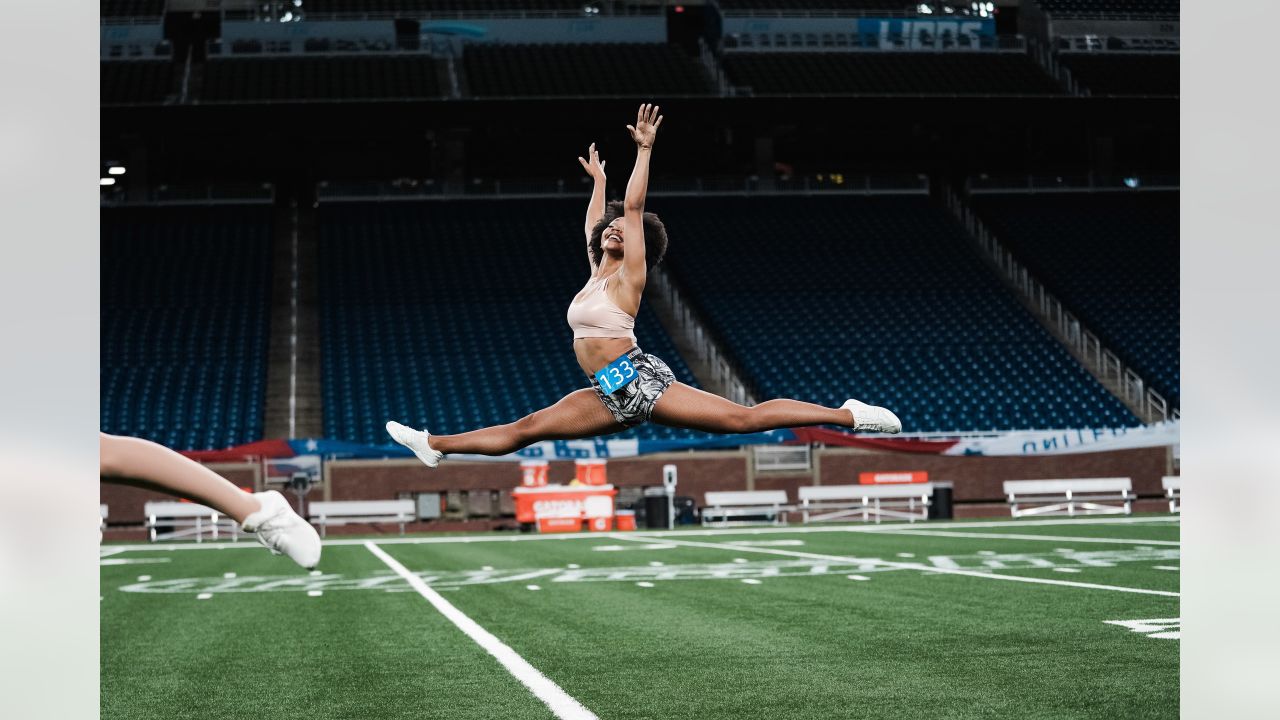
x,y
924,9
106,181
297,3
1132,182
287,17
117,170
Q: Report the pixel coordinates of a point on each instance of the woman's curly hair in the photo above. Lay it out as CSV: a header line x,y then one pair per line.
x,y
655,235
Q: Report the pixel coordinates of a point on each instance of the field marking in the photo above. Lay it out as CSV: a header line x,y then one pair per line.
x,y
1048,538
134,561
561,703
912,566
652,534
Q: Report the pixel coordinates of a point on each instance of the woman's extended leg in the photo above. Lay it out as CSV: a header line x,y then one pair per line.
x,y
580,414
687,407
158,467
134,461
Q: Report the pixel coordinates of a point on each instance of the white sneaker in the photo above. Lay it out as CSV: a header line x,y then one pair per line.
x,y
415,440
872,418
282,531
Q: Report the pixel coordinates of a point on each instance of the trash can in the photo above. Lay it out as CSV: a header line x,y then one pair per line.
x,y
655,508
686,511
940,507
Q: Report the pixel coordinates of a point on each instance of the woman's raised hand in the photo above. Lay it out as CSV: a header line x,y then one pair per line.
x,y
645,131
594,166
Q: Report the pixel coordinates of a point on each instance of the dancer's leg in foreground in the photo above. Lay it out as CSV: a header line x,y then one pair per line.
x,y
134,461
577,415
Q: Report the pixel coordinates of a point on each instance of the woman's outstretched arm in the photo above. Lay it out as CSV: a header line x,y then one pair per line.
x,y
595,209
644,132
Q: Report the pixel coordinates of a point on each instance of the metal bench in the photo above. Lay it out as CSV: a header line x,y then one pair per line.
x,y
1173,490
770,504
170,520
840,502
1083,496
341,512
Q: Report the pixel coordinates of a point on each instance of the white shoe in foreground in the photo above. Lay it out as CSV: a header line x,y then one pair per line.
x,y
282,531
415,440
872,418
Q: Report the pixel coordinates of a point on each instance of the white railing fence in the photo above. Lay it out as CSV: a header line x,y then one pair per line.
x,y
1149,405
695,331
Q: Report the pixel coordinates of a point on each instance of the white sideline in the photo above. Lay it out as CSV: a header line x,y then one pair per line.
x,y
1054,538
798,530
905,566
561,703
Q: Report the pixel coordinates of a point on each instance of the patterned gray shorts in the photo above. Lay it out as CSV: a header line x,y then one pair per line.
x,y
633,403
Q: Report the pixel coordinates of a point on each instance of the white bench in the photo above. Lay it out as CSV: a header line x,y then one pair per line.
x,y
185,520
341,512
1173,490
745,503
908,501
1083,496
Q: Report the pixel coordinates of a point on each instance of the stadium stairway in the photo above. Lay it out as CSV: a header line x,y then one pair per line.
x,y
294,405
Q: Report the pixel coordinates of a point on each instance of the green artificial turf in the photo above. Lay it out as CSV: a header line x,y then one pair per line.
x,y
657,626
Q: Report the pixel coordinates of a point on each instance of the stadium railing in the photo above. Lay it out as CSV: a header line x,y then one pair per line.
x,y
1077,496
1172,485
768,504
342,512
843,502
169,520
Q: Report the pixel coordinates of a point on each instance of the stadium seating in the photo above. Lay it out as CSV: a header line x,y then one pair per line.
x,y
185,315
1109,73
131,8
600,69
452,315
130,82
1112,259
411,8
1110,7
784,6
878,298
366,77
888,73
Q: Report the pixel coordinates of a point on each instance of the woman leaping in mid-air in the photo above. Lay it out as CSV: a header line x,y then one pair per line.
x,y
629,387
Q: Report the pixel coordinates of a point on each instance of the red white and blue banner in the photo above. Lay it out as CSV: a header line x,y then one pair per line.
x,y
1019,443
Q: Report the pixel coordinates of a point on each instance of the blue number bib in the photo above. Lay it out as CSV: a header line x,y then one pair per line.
x,y
616,374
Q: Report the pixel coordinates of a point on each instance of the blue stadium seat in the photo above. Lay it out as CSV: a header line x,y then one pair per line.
x,y
185,317
426,309
878,298
1110,257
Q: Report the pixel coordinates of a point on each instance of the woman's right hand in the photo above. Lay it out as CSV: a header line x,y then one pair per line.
x,y
645,131
594,166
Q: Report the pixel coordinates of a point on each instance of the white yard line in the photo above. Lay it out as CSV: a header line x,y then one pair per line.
x,y
798,530
1053,538
561,703
905,566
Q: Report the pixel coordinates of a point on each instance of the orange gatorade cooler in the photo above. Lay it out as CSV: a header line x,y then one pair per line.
x,y
590,472
626,519
533,473
600,524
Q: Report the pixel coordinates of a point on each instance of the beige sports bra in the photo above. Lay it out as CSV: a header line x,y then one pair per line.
x,y
596,316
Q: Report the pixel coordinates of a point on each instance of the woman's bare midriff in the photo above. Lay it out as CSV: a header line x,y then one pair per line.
x,y
595,353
